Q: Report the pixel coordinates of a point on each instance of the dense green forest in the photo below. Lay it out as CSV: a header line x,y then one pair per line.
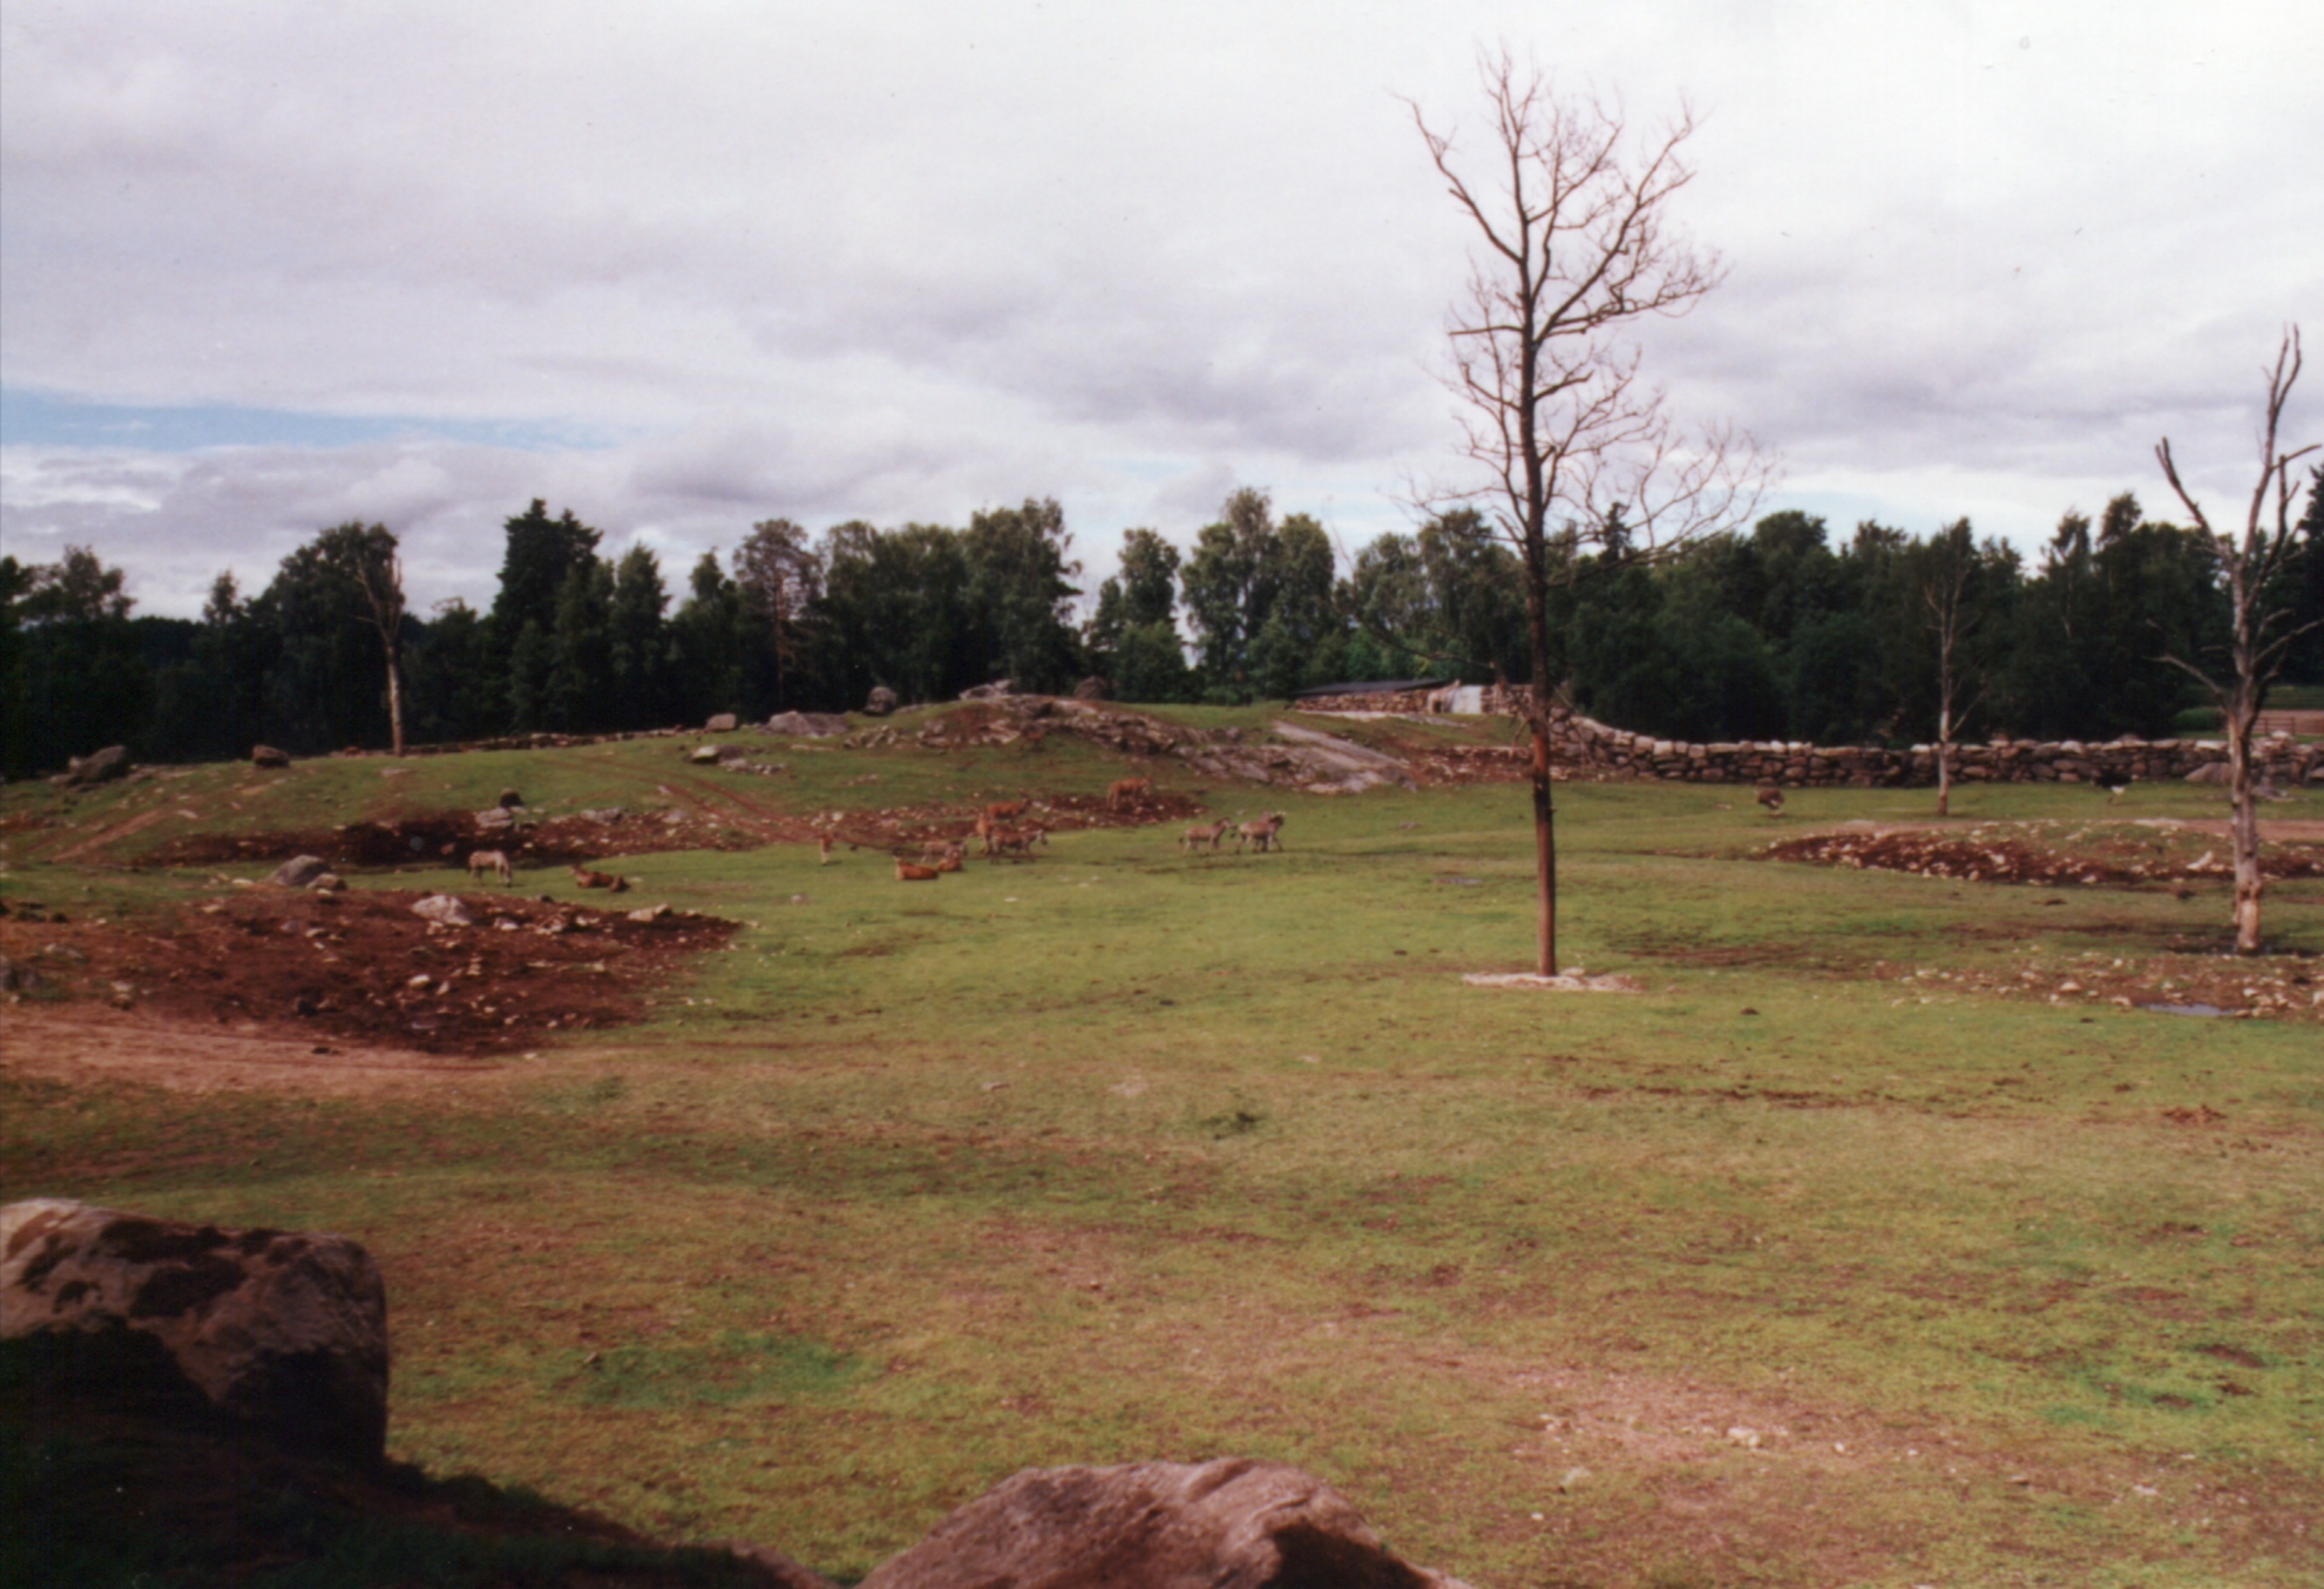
x,y
1780,631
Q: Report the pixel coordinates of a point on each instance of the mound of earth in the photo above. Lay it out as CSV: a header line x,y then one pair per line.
x,y
362,967
431,838
1982,856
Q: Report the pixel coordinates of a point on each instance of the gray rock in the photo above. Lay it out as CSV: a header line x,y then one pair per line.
x,y
722,723
495,820
994,692
1231,1524
284,1330
2210,772
1092,688
329,882
705,756
298,872
97,767
266,755
510,800
808,725
447,909
879,702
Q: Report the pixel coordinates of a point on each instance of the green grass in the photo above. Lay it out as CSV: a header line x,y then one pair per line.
x,y
1128,1155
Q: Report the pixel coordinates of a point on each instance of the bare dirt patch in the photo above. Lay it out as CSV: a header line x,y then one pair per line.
x,y
429,839
2110,858
363,968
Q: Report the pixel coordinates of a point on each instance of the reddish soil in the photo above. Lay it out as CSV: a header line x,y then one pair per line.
x,y
1985,857
361,968
429,839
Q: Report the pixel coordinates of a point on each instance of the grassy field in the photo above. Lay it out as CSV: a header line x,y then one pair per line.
x,y
1863,1245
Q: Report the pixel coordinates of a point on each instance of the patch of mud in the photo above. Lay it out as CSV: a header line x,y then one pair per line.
x,y
2016,854
361,968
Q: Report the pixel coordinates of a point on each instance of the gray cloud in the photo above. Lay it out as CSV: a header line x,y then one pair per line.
x,y
903,262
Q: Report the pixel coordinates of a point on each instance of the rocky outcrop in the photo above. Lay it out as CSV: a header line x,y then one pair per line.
x,y
808,725
97,767
1092,688
879,702
1231,1524
299,872
999,690
266,755
720,722
279,1330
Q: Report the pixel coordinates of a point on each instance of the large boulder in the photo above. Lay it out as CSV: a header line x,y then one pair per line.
x,y
97,767
299,872
808,725
266,755
279,1330
1230,1524
720,722
1092,688
879,702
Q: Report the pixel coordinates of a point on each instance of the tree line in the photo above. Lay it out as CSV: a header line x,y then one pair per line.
x,y
1778,631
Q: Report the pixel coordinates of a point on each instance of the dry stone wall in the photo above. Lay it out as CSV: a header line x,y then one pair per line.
x,y
1585,745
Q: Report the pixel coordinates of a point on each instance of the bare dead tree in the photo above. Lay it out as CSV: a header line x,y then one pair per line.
x,y
378,568
2261,632
1945,593
1576,452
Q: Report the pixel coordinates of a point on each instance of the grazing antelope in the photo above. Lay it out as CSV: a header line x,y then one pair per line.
x,y
823,849
1771,797
1017,842
908,872
1209,833
1128,792
604,880
496,861
1267,833
1007,810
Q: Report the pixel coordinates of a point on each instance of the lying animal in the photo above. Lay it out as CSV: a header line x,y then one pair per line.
x,y
1206,833
937,852
908,872
1773,798
496,861
604,880
1128,792
1267,833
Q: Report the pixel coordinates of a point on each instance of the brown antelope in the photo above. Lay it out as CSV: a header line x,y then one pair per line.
x,y
1017,842
1007,810
1128,792
823,849
496,861
908,872
937,852
1771,797
1267,833
604,880
1209,833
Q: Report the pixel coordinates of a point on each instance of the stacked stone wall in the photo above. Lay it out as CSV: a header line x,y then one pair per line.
x,y
1586,746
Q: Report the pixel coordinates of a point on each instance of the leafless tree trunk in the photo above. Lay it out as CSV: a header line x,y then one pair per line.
x,y
2262,635
383,589
1576,245
1946,595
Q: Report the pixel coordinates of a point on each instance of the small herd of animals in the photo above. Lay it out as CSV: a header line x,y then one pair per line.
x,y
1002,832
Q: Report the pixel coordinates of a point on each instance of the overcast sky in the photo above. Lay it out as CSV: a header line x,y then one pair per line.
x,y
267,268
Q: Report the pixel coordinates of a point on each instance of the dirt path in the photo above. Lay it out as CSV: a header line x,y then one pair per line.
x,y
80,1042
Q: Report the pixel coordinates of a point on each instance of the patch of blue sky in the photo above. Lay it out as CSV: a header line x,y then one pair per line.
x,y
41,419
